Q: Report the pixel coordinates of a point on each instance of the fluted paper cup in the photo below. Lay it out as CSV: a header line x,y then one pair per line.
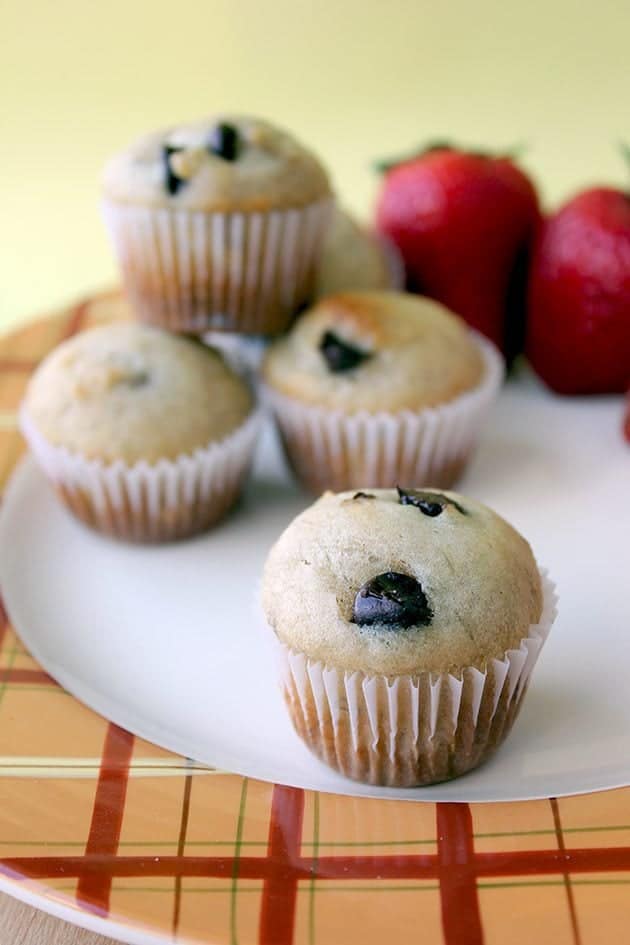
x,y
196,271
330,449
144,502
406,731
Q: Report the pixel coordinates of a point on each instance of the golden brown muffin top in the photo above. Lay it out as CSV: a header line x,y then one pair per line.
x,y
467,580
224,163
375,351
130,392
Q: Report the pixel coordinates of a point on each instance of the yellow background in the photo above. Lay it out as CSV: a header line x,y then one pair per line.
x,y
356,80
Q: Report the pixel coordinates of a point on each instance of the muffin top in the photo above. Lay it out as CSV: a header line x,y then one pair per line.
x,y
393,582
131,392
375,351
223,163
353,259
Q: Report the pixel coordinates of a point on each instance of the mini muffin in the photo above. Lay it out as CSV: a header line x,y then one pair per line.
x,y
144,435
408,623
354,258
217,225
374,388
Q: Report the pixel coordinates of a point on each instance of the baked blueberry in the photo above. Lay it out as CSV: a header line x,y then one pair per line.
x,y
225,141
341,355
429,503
171,181
393,599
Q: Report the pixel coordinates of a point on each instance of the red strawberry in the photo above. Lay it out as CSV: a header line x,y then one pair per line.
x,y
579,295
463,223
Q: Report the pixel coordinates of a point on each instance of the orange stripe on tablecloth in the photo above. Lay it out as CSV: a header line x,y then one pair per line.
x,y
277,910
461,918
94,888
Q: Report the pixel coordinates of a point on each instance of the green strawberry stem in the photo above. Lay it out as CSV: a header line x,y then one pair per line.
x,y
387,164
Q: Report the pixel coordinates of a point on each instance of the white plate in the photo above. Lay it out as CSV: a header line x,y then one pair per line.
x,y
167,641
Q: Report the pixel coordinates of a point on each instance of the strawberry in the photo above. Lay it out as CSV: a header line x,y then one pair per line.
x,y
579,295
463,223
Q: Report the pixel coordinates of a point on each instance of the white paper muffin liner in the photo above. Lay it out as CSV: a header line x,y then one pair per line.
x,y
246,352
195,271
407,731
330,449
145,502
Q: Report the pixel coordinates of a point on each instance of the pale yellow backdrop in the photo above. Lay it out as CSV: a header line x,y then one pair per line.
x,y
357,80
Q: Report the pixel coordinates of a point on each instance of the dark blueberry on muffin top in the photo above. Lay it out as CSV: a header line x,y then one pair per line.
x,y
392,599
340,355
225,141
429,503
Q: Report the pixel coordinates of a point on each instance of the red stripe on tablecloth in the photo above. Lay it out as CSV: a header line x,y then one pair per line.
x,y
277,911
213,867
375,867
109,803
517,863
12,673
181,846
557,823
4,622
11,365
531,862
33,676
76,317
461,919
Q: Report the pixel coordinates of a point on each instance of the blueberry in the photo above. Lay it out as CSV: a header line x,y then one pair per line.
x,y
171,181
429,503
138,379
225,142
393,599
340,356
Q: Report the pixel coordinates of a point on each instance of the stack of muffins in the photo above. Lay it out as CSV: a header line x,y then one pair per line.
x,y
148,432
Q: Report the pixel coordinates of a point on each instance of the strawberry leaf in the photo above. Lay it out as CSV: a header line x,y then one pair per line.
x,y
382,166
511,154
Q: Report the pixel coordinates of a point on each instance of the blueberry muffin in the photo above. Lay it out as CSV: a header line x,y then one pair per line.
x,y
217,224
409,622
375,387
144,435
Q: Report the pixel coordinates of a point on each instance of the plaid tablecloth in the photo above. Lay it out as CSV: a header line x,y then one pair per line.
x,y
115,826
